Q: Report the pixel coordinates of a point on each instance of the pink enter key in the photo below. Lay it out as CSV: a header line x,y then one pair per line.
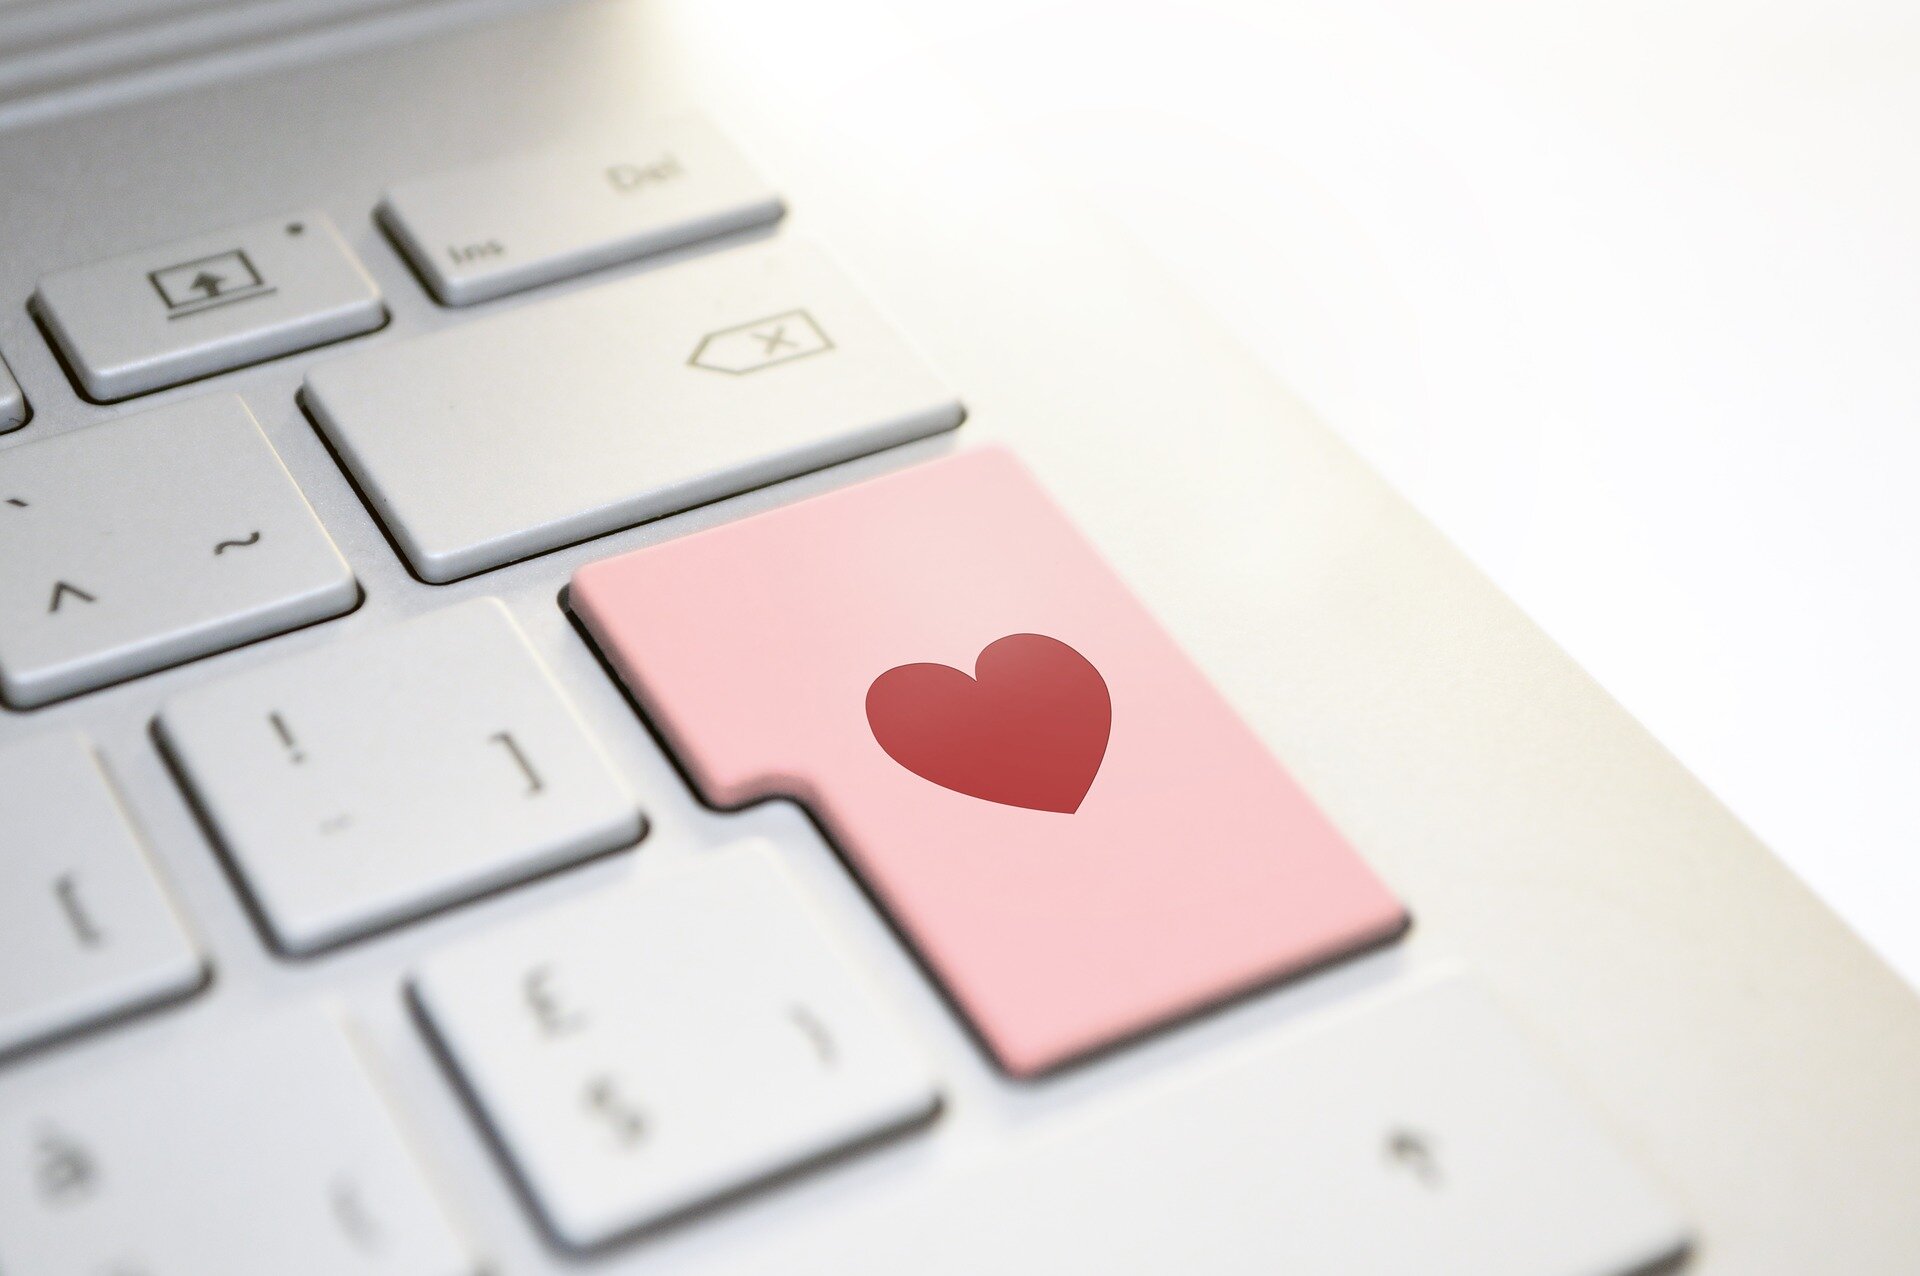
x,y
1077,833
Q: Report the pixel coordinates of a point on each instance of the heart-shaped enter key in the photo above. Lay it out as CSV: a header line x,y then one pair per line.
x,y
1075,830
1028,729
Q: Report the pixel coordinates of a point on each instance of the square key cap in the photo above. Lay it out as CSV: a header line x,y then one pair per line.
x,y
366,783
265,1152
174,312
150,540
640,1053
1078,834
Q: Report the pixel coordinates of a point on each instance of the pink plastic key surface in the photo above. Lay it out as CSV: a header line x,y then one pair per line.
x,y
1078,834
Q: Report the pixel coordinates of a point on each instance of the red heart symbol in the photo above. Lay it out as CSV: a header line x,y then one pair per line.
x,y
1028,729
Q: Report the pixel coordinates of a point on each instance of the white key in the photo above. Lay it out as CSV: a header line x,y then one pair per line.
x,y
491,229
1419,1134
86,929
143,542
525,431
642,1051
364,783
194,307
267,1152
13,404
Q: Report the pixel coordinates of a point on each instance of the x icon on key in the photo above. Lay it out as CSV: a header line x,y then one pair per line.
x,y
771,341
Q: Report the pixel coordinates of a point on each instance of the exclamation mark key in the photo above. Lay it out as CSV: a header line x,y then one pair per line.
x,y
364,783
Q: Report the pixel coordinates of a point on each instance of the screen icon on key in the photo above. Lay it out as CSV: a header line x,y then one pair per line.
x,y
206,282
1077,833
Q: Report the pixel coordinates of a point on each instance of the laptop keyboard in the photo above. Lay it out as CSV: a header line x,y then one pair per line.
x,y
1063,820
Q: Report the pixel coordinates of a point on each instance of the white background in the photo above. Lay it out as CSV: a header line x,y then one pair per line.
x,y
1625,296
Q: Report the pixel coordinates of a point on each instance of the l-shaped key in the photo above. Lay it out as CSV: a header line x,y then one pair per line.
x,y
1071,825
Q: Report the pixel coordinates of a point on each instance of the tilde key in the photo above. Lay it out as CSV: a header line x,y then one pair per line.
x,y
1077,833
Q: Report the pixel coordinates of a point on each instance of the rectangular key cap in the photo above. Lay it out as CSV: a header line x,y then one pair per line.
x,y
1071,825
1418,1134
491,229
137,544
265,1152
640,1052
87,932
13,404
174,312
364,783
525,431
